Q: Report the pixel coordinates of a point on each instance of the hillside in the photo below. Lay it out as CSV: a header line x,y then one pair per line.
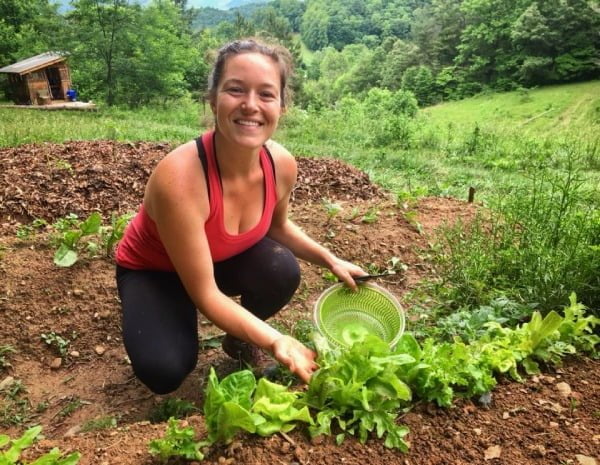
x,y
552,108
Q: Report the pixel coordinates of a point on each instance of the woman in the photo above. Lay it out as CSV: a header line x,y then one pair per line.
x,y
214,224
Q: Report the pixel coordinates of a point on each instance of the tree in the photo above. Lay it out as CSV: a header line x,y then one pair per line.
x,y
101,31
158,57
419,80
402,56
313,28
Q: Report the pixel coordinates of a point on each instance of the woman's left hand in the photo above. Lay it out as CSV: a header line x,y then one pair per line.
x,y
299,359
346,271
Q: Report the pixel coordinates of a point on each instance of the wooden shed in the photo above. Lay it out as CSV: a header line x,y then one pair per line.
x,y
39,80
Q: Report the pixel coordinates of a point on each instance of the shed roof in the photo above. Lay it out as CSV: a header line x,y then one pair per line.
x,y
34,63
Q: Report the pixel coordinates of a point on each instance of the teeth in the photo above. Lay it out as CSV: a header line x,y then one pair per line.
x,y
247,123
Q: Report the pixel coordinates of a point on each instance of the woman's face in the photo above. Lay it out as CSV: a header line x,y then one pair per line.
x,y
247,104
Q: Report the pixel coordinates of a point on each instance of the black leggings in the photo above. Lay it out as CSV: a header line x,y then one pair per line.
x,y
160,329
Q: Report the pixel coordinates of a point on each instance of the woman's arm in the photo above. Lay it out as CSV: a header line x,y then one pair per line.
x,y
287,233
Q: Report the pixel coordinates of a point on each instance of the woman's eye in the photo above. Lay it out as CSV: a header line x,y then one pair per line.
x,y
235,90
267,95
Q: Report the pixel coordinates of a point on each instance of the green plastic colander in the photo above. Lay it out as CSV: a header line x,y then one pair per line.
x,y
345,317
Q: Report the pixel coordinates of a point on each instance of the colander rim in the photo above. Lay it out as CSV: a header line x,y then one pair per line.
x,y
391,297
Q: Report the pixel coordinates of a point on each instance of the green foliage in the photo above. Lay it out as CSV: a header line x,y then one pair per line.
x,y
331,208
539,244
172,407
5,350
179,441
73,236
11,449
15,409
359,391
58,342
98,424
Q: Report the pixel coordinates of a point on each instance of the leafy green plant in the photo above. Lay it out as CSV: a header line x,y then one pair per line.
x,y
28,231
360,390
179,441
58,342
10,451
90,236
331,208
101,423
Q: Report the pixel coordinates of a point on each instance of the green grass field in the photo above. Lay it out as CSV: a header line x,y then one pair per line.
x,y
485,142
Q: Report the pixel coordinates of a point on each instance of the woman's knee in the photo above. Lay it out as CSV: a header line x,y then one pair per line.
x,y
281,271
162,376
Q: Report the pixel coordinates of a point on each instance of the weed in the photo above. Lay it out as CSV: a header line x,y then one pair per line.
x,y
73,404
331,208
371,216
15,409
58,342
99,423
4,351
172,407
27,232
303,330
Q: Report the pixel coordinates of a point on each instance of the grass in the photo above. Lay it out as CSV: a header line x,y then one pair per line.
x,y
535,111
482,142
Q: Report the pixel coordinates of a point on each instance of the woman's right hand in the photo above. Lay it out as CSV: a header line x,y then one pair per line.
x,y
299,359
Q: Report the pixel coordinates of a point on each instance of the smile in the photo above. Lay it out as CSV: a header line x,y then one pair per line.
x,y
245,122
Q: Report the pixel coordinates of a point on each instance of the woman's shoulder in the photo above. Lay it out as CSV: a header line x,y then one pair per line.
x,y
280,154
285,163
177,175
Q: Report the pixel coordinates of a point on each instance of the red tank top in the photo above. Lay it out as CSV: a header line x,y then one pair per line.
x,y
142,249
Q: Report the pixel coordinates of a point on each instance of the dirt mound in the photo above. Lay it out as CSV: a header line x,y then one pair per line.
x,y
49,181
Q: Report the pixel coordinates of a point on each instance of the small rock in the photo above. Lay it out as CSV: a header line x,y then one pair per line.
x,y
553,424
78,292
285,447
538,450
74,354
505,415
317,440
585,460
100,349
72,431
56,363
492,452
477,431
564,389
6,382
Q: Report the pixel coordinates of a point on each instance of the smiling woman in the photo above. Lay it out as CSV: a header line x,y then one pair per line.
x,y
214,224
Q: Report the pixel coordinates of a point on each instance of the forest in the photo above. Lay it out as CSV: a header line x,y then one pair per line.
x,y
122,53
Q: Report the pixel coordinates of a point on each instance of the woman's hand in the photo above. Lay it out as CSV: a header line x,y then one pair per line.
x,y
299,359
346,271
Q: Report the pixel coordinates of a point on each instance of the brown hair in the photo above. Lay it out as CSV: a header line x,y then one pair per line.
x,y
280,55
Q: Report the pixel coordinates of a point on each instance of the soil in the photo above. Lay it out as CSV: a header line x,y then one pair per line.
x,y
534,422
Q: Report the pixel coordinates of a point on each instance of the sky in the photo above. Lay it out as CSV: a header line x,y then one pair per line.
x,y
220,4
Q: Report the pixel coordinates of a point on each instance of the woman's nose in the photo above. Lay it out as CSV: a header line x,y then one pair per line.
x,y
250,102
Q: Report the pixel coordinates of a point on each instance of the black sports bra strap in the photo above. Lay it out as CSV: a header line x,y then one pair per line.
x,y
272,164
204,160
